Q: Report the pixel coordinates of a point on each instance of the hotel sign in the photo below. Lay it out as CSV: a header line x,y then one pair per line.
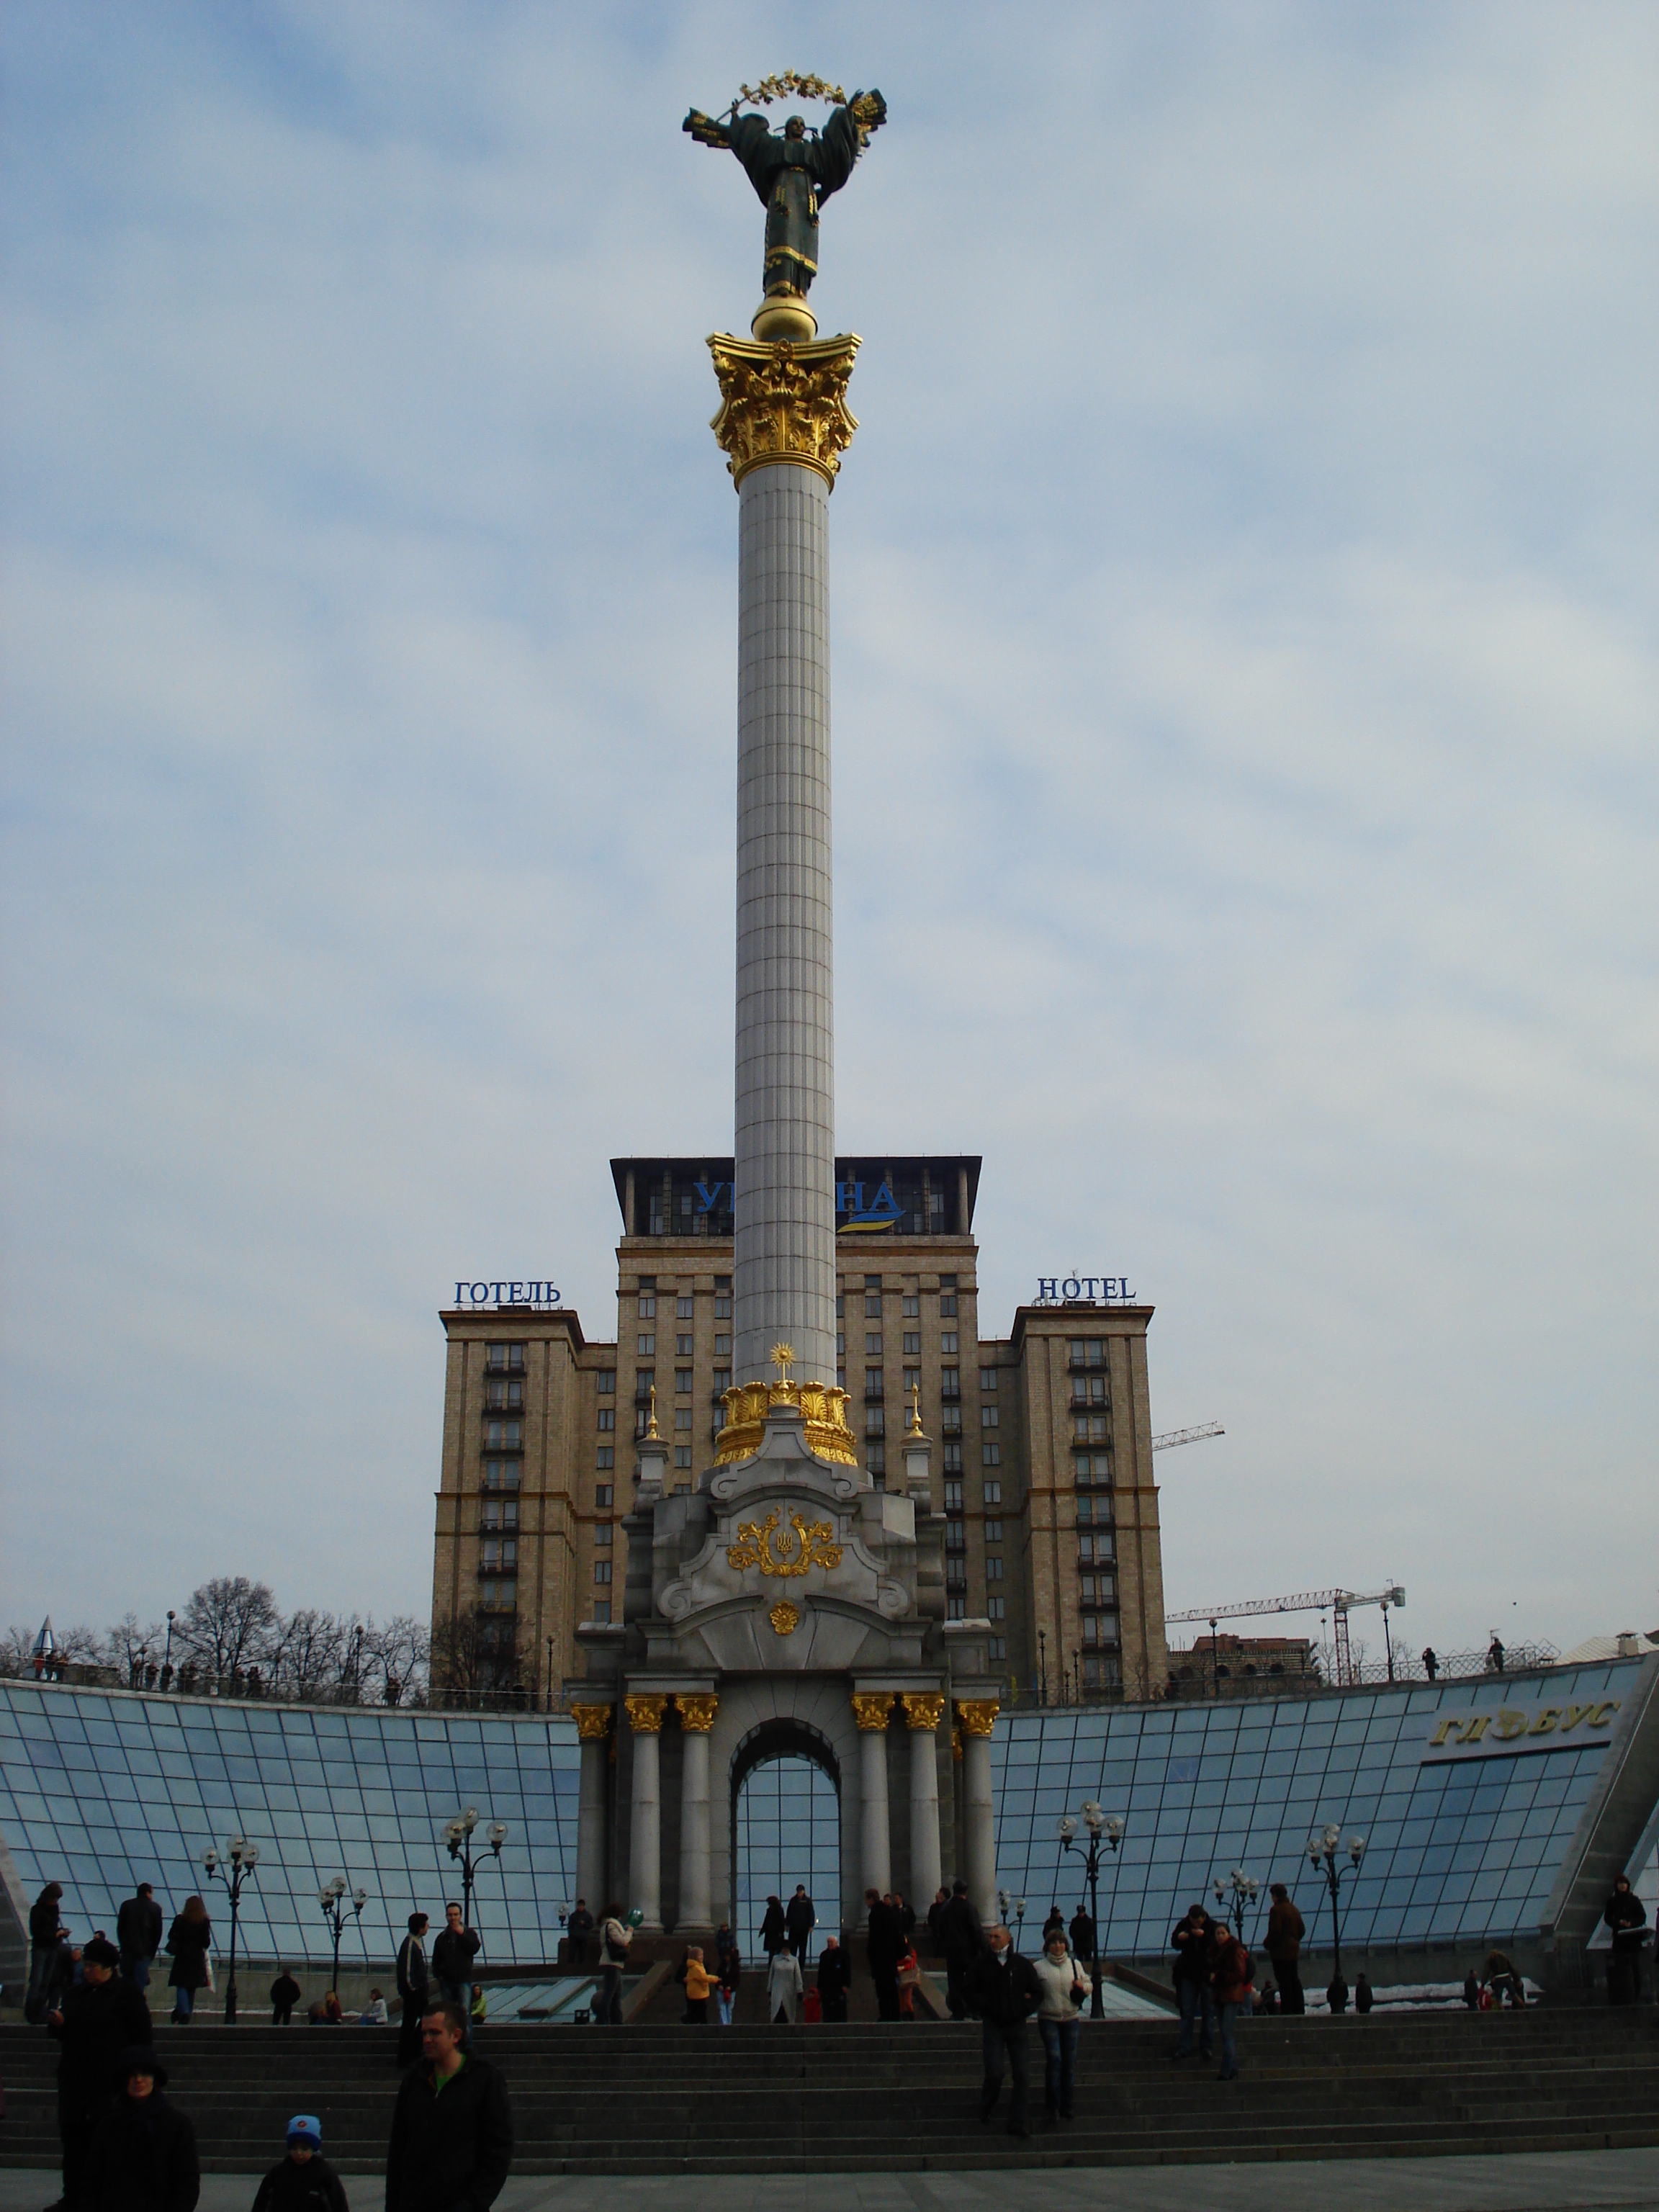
x,y
1513,1729
506,1294
1083,1290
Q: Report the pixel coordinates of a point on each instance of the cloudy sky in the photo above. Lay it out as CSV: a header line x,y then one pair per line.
x,y
1245,716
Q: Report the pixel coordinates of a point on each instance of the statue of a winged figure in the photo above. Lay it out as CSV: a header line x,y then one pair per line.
x,y
795,173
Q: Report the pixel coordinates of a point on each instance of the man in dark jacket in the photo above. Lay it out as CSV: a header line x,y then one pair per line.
x,y
45,1935
1003,1990
1627,1917
414,1987
884,1947
963,1940
1082,1937
580,1929
284,1996
1283,1945
139,1935
304,2181
835,1978
452,2132
1194,1942
799,1920
451,1964
144,2157
98,2021
773,1934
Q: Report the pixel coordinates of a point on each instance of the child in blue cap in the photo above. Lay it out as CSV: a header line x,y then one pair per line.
x,y
304,2181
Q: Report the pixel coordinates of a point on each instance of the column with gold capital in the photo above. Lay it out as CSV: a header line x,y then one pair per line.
x,y
922,1713
697,1712
784,424
978,1717
644,1713
593,1728
870,1709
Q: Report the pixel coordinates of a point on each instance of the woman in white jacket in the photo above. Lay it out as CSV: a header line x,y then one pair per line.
x,y
783,1987
1059,2019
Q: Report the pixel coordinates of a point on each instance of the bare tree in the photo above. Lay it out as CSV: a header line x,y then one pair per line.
x,y
14,1648
132,1650
398,1653
229,1623
305,1657
476,1659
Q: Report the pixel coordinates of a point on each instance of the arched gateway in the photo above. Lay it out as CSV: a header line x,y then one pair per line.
x,y
784,1607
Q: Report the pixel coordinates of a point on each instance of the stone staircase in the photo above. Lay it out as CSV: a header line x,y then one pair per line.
x,y
868,2098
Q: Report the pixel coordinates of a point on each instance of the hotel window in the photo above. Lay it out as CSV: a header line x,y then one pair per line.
x,y
502,1396
989,1417
644,1382
912,1344
683,1347
841,1305
996,1608
950,1382
875,1421
722,1380
604,1492
947,1296
953,1498
912,1311
912,1380
993,1495
876,1459
601,1571
503,1436
873,1344
994,1570
955,1608
956,1535
1094,1468
648,1344
993,1532
947,1342
504,1359
723,1347
1089,1428
501,1474
952,1459
498,1596
501,1513
872,1383
683,1381
1088,1351
607,1381
873,1297
647,1297
722,1298
602,1612
682,1454
987,1378
998,1647
684,1308
602,1533
990,1454
607,1417
1088,1390
682,1417
950,1422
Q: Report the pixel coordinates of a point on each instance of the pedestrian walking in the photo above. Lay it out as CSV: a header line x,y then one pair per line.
x,y
139,1935
799,1919
451,2131
187,1945
452,1954
1283,1945
1626,1916
1003,1990
884,1941
1472,1990
580,1929
699,1982
284,1996
1059,2022
936,1918
1503,1981
45,1935
784,1985
304,2181
773,1930
414,1988
1082,1937
1336,1994
1363,1996
1194,1942
615,1936
728,1972
143,2159
478,2008
95,2024
1056,1920
1231,1972
908,1974
963,1940
835,1978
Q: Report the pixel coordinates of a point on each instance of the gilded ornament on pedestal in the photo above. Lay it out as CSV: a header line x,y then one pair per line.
x,y
923,1709
784,1618
822,1411
645,1712
812,1545
870,1709
697,1710
978,1715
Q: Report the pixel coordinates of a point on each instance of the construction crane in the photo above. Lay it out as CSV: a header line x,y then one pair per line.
x,y
1172,1438
1339,1603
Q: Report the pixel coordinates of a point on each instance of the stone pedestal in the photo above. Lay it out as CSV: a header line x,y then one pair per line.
x,y
977,1718
644,1713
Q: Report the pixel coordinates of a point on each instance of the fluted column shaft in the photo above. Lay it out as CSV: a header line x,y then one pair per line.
x,y
870,1709
922,1716
979,1821
645,1855
590,1878
696,1718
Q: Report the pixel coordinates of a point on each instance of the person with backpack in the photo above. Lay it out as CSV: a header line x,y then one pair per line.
x,y
1232,1971
615,1936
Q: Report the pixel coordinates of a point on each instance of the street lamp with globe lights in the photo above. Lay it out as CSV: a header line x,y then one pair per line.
x,y
331,1897
1322,1852
240,1857
458,1836
1240,1889
1103,1827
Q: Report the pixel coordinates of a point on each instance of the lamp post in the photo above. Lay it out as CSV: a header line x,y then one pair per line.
x,y
1019,1904
1240,1889
1043,1666
167,1657
458,1836
242,1858
1104,1827
331,1897
1323,1849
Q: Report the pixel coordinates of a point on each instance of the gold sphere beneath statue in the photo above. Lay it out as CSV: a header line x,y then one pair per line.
x,y
784,315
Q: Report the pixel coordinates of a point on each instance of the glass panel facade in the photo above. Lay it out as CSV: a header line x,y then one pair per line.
x,y
787,1829
1457,1847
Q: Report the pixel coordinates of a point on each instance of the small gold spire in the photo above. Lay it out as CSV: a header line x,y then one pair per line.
x,y
915,1409
651,1424
782,1357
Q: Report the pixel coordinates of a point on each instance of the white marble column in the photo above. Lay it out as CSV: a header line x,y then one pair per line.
x,y
922,1714
696,1717
977,1718
784,1258
870,1709
644,1856
593,1724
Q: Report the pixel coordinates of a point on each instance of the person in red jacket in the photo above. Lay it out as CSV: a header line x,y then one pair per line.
x,y
1230,1974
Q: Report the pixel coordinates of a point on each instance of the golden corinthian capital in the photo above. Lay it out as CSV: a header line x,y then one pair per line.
x,y
645,1712
870,1709
696,1710
978,1715
593,1722
922,1709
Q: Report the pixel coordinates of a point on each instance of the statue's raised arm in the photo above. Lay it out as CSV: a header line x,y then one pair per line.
x,y
792,174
